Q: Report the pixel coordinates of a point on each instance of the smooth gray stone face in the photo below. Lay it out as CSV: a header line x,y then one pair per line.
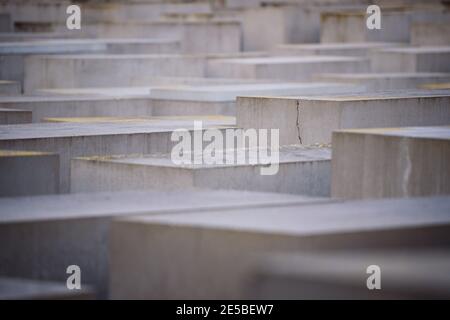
x,y
14,116
10,88
391,162
207,255
40,236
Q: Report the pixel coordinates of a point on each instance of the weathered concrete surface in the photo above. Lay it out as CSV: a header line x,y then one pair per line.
x,y
14,116
300,171
80,106
386,81
386,163
5,22
309,120
436,86
334,49
75,140
10,88
412,59
42,235
284,68
205,255
28,173
25,289
94,70
405,274
27,36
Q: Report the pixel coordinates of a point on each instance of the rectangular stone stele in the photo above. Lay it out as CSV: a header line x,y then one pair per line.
x,y
295,170
10,88
71,140
28,173
391,162
207,255
25,289
40,236
310,120
14,116
408,274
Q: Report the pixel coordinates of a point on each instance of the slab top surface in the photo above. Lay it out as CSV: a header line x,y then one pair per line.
x,y
437,132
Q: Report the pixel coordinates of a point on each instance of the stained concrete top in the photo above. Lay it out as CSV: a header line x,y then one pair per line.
x,y
290,60
25,289
310,220
390,75
101,56
120,92
418,50
85,205
436,86
76,97
287,154
8,110
437,132
62,130
21,153
339,45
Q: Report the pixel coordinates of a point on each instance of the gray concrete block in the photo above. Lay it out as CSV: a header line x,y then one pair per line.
x,y
86,139
284,67
42,235
405,274
310,120
206,255
26,289
81,71
10,88
386,81
5,22
28,173
430,34
391,162
14,116
412,59
300,171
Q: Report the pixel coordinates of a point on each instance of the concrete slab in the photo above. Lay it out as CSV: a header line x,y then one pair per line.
x,y
206,255
5,22
25,289
386,81
299,171
413,59
430,34
284,68
406,274
14,116
309,120
391,162
96,70
10,88
28,173
42,235
436,86
75,139
357,49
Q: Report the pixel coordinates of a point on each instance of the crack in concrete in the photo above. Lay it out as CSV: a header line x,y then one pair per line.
x,y
298,122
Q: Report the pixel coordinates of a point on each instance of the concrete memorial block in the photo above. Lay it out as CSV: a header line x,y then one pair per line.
x,y
284,68
10,88
28,173
86,139
299,171
403,275
412,59
77,105
26,289
334,49
42,235
310,120
17,36
431,30
391,162
81,71
14,116
6,24
36,11
386,81
436,86
207,255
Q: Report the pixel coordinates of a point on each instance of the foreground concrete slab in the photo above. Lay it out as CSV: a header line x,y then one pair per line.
x,y
28,173
284,68
75,139
405,275
386,81
42,235
310,120
14,116
25,289
10,88
300,171
206,255
391,162
81,71
413,59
